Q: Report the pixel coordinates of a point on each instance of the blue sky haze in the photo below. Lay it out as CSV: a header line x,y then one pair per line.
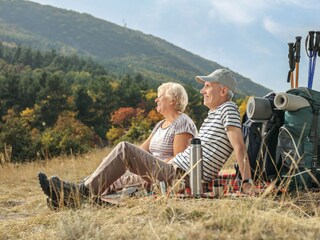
x,y
248,36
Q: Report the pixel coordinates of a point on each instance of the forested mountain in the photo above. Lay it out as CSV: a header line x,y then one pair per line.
x,y
52,104
119,49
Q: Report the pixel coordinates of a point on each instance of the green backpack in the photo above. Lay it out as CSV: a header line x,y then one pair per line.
x,y
298,149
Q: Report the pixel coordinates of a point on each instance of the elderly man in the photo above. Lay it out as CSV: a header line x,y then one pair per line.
x,y
220,135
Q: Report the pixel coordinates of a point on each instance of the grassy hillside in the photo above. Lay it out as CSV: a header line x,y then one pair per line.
x,y
24,214
121,49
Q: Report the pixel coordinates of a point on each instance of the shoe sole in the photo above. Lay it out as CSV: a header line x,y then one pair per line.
x,y
54,189
44,184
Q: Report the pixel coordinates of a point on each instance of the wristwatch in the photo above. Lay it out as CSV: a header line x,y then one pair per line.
x,y
249,180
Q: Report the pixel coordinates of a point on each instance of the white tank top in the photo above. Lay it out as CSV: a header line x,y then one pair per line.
x,y
161,145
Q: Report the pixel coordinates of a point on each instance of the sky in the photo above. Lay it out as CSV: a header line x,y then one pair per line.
x,y
249,37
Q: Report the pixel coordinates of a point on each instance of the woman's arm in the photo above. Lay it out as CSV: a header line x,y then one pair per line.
x,y
146,144
180,143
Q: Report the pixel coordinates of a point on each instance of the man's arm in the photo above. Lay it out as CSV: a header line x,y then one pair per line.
x,y
236,139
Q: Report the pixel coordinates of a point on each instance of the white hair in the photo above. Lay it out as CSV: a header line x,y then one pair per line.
x,y
230,94
176,92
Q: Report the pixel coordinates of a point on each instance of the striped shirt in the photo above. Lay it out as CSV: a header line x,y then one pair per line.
x,y
161,144
216,147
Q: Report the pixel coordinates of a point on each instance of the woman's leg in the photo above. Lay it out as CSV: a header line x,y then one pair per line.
x,y
126,156
127,180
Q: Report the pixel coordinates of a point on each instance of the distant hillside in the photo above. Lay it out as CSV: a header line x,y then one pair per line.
x,y
120,49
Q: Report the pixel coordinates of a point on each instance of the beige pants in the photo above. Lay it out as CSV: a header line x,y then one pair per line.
x,y
143,169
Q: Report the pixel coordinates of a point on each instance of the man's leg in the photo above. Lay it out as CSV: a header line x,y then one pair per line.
x,y
126,156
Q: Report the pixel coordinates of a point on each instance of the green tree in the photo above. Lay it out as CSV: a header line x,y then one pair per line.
x,y
105,101
195,108
1,50
84,106
129,91
9,88
17,55
29,88
51,100
17,134
26,57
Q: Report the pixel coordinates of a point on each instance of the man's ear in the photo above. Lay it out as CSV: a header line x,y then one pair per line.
x,y
224,91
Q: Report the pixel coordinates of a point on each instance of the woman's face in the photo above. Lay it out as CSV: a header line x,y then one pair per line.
x,y
163,102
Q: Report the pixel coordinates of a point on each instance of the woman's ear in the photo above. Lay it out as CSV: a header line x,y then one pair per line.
x,y
173,101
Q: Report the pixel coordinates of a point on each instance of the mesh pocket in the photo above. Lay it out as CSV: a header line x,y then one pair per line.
x,y
287,150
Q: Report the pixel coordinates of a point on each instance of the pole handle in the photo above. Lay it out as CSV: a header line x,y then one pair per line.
x,y
311,41
291,56
297,48
317,45
291,60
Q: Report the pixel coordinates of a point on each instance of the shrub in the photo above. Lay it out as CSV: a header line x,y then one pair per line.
x,y
16,133
67,136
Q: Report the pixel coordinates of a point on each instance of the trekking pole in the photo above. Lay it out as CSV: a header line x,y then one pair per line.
x,y
309,47
316,48
291,63
315,53
297,58
318,37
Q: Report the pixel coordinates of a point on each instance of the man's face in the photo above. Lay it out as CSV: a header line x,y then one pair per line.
x,y
213,94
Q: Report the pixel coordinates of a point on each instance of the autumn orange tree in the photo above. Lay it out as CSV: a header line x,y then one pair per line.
x,y
123,116
131,124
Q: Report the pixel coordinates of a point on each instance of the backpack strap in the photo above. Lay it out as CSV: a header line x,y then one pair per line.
x,y
313,137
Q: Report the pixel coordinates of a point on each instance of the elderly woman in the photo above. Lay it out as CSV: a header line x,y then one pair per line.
x,y
169,137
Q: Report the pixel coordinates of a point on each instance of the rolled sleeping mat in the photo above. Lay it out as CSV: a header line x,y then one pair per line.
x,y
289,102
258,109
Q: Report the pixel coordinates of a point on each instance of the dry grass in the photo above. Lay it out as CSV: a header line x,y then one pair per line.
x,y
24,214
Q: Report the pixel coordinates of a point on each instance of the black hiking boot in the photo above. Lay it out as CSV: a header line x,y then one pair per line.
x,y
52,198
61,193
